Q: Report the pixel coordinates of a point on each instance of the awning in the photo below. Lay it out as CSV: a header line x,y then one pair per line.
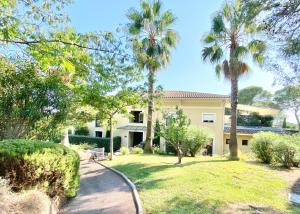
x,y
133,128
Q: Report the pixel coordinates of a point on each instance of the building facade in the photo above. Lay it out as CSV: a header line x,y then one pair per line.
x,y
203,109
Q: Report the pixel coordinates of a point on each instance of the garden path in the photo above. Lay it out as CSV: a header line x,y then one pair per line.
x,y
101,191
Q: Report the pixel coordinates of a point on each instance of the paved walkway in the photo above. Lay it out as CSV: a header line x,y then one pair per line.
x,y
101,191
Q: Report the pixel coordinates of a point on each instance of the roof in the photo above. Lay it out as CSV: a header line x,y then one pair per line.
x,y
192,95
255,129
133,128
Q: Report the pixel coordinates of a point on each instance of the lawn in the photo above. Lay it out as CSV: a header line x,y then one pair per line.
x,y
204,185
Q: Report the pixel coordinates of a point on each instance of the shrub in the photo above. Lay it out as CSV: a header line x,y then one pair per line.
x,y
263,146
196,139
137,150
52,167
100,142
285,151
82,131
82,147
124,151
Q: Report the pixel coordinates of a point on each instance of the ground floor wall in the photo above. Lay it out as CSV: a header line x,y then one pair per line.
x,y
241,145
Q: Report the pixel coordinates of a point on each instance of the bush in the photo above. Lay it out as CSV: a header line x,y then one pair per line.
x,y
263,146
124,151
285,151
52,167
82,131
197,138
137,150
100,142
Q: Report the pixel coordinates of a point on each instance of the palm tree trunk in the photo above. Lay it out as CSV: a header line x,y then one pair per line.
x,y
111,139
148,145
233,146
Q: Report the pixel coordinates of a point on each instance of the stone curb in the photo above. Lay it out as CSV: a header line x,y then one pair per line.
x,y
136,197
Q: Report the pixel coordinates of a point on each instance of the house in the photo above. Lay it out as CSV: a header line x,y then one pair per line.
x,y
203,109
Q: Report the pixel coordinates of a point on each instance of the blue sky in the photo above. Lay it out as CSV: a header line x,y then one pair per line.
x,y
186,71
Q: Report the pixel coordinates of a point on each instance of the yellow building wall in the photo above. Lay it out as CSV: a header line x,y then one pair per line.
x,y
240,137
194,110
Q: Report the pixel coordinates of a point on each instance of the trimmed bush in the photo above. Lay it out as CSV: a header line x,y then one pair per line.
x,y
124,151
100,142
137,150
262,145
82,131
49,166
196,139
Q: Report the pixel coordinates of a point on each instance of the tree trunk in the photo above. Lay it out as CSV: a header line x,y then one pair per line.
x,y
111,139
179,155
233,146
297,118
148,144
65,139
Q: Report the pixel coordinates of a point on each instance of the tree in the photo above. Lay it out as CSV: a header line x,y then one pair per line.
x,y
256,96
288,98
31,99
152,38
174,131
108,106
227,44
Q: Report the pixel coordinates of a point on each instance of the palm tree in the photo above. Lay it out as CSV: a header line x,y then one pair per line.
x,y
152,39
233,36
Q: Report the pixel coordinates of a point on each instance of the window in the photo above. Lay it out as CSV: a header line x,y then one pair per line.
x,y
136,117
208,118
98,134
227,141
245,142
227,111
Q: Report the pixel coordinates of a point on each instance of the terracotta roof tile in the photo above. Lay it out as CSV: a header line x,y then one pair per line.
x,y
193,95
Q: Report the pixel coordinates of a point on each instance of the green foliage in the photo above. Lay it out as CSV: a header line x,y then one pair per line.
x,y
174,131
262,145
254,119
82,131
124,150
286,152
255,95
137,150
50,166
156,139
196,139
100,142
32,104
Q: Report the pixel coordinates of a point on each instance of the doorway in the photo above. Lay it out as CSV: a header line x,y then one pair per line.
x,y
135,138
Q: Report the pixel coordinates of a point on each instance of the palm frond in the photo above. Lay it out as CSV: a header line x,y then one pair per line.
x,y
226,69
168,18
240,51
170,38
227,11
218,70
156,7
210,38
243,68
147,13
218,24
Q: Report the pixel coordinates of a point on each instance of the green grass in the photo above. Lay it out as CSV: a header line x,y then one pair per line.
x,y
203,184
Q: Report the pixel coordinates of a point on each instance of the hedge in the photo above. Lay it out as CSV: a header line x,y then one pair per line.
x,y
48,166
100,142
